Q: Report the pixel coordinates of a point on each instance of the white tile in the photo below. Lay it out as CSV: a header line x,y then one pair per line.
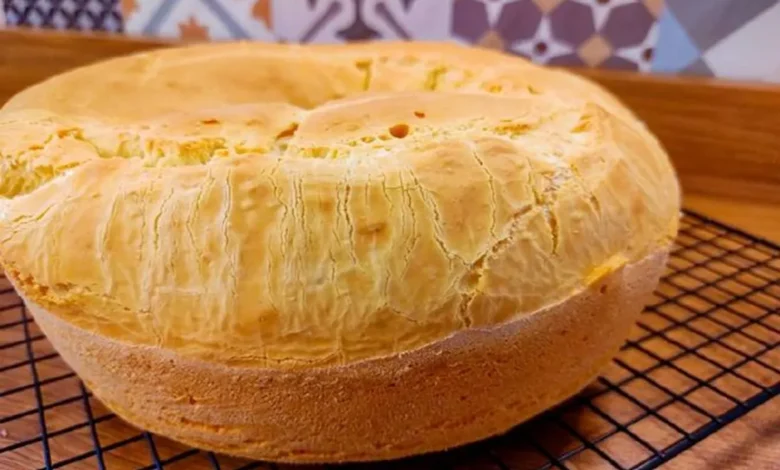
x,y
294,19
241,12
751,52
424,20
775,75
181,13
136,22
601,11
493,10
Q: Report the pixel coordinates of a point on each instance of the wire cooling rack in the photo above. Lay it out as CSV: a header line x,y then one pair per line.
x,y
704,353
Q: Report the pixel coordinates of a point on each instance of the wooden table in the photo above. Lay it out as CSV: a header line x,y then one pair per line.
x,y
724,139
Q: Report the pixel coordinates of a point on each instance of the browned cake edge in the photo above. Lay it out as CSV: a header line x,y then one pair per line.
x,y
472,385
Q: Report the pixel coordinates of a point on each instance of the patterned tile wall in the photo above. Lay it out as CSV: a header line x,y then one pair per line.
x,y
737,39
85,15
726,38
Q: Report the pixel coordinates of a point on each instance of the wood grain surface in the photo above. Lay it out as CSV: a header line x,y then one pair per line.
x,y
724,139
722,135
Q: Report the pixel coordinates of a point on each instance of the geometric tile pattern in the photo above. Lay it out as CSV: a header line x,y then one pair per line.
x,y
199,20
616,33
724,38
86,15
351,20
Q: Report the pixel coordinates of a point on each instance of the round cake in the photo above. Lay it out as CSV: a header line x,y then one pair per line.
x,y
331,253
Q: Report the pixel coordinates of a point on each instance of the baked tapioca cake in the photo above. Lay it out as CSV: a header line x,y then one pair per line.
x,y
331,253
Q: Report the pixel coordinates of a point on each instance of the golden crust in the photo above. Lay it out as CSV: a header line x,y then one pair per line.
x,y
473,384
294,207
298,253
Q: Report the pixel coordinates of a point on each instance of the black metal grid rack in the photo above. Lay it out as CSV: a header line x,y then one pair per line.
x,y
704,353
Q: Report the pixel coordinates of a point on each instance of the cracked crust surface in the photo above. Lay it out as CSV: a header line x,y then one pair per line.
x,y
295,207
369,224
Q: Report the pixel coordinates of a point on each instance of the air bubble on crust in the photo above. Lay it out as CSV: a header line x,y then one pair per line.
x,y
399,131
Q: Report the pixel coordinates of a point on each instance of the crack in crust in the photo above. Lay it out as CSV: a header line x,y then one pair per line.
x,y
295,209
